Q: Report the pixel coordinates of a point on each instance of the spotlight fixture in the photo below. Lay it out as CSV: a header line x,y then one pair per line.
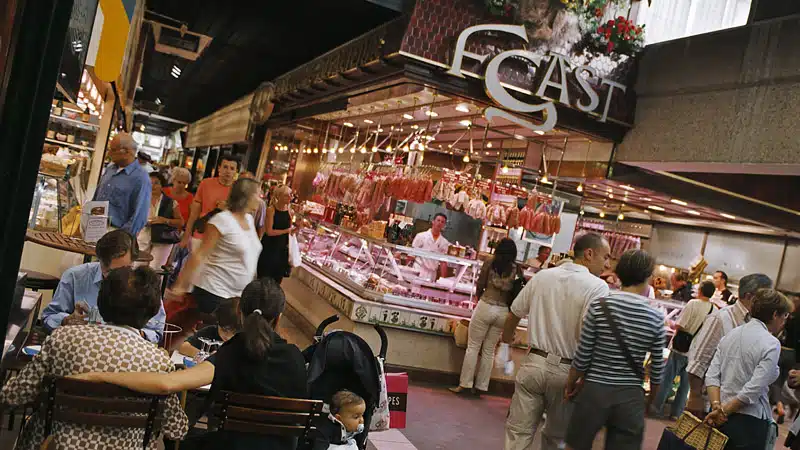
x,y
489,145
466,123
367,121
580,187
348,124
408,116
462,107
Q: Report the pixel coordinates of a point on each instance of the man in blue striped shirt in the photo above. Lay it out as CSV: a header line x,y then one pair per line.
x,y
607,371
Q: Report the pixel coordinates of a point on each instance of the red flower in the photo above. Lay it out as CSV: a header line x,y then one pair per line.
x,y
611,23
610,47
621,19
601,30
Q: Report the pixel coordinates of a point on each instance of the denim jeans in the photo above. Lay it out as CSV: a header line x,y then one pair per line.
x,y
676,366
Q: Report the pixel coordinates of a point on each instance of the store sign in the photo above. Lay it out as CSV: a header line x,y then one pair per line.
x,y
555,65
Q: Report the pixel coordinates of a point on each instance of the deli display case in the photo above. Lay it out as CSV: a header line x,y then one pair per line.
x,y
53,198
387,273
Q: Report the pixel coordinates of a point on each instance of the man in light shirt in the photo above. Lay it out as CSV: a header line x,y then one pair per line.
x,y
715,327
723,296
689,323
432,241
555,301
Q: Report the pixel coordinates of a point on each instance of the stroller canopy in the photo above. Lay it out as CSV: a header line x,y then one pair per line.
x,y
343,360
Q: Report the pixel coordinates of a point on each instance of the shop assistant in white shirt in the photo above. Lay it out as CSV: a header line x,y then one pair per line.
x,y
232,264
426,241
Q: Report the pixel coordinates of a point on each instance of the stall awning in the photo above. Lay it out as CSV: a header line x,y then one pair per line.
x,y
228,125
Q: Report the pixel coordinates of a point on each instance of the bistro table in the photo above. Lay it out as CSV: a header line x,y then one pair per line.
x,y
71,244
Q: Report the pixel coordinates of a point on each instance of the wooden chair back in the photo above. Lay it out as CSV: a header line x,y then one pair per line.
x,y
271,416
99,404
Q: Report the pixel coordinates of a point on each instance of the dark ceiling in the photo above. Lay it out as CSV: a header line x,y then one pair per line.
x,y
252,42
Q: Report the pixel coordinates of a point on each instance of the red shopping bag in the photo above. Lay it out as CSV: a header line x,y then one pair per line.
x,y
397,386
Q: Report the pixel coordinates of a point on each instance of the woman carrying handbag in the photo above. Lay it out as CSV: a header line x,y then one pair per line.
x,y
495,290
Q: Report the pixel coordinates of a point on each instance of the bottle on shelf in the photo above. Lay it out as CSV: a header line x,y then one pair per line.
x,y
59,109
86,115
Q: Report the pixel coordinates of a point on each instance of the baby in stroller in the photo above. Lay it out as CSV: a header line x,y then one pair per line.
x,y
345,422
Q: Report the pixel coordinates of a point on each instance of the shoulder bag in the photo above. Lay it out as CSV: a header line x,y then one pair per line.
x,y
516,287
638,369
683,339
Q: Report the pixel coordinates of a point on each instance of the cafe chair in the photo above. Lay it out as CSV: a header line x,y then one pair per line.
x,y
98,404
271,416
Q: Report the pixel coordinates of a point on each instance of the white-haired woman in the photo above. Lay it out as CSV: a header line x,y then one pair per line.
x,y
181,177
274,259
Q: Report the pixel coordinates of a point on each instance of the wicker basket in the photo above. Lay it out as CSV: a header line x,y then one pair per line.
x,y
687,422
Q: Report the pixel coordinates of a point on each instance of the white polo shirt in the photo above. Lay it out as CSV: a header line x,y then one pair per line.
x,y
555,301
425,241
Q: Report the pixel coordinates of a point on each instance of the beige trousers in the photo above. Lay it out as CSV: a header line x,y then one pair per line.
x,y
539,389
485,331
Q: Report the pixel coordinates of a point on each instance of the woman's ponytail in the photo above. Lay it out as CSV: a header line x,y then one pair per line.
x,y
258,335
262,302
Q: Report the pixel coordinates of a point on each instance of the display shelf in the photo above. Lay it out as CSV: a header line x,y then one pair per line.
x,y
387,273
75,122
67,144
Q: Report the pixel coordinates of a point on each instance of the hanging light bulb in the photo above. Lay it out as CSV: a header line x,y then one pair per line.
x,y
466,158
505,168
324,150
580,187
316,150
389,148
353,150
405,149
602,214
363,150
621,216
544,178
582,212
374,149
341,149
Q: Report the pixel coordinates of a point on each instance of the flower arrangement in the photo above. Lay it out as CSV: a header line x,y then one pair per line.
x,y
502,8
620,36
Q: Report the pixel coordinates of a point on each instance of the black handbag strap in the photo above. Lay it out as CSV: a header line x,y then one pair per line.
x,y
704,321
637,369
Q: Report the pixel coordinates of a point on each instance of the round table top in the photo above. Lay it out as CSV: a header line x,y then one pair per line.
x,y
71,244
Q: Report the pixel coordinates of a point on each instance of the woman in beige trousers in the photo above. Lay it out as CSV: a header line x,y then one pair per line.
x,y
486,327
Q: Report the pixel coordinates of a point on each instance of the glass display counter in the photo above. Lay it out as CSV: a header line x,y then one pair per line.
x,y
379,271
52,200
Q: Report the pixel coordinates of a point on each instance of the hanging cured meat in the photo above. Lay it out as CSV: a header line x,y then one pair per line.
x,y
476,209
512,216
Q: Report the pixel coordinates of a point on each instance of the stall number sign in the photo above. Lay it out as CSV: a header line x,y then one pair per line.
x,y
556,62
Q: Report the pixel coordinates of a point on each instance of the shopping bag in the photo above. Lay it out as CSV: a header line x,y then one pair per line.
x,y
690,433
294,252
381,416
397,387
461,334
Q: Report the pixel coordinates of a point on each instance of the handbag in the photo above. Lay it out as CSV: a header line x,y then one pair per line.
x,y
637,368
516,286
380,416
671,441
683,339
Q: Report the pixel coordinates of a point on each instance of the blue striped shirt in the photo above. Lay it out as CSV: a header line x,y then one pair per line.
x,y
642,328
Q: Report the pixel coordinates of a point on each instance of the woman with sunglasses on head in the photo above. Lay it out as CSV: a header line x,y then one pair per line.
x,y
254,361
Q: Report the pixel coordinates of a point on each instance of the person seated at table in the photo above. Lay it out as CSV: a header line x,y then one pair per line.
x,y
76,295
254,361
127,299
228,324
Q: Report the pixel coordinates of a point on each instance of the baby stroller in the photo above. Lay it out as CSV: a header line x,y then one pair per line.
x,y
343,360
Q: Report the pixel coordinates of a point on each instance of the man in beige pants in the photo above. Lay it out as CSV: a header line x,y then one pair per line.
x,y
554,301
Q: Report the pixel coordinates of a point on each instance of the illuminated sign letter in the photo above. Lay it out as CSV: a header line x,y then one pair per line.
x,y
556,60
461,44
499,94
594,99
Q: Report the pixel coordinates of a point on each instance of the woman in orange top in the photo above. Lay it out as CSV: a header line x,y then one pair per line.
x,y
180,180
